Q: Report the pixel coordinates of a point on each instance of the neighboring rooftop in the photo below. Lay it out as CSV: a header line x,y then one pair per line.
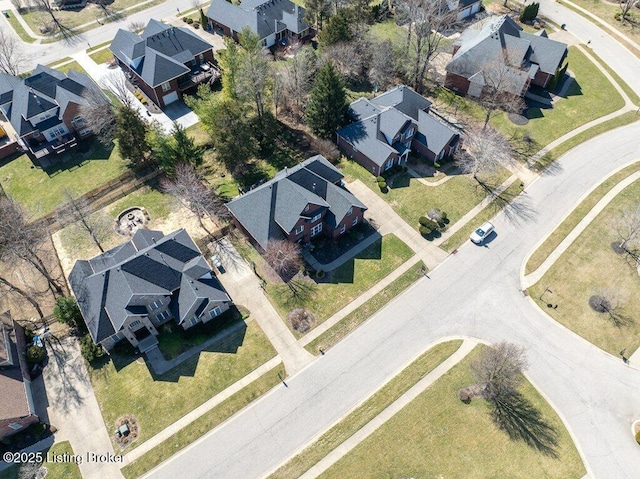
x,y
16,402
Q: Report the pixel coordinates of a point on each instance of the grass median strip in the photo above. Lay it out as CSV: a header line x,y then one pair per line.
x,y
633,96
205,423
571,221
367,411
360,315
17,26
492,209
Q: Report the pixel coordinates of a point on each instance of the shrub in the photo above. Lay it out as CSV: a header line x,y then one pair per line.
x,y
301,320
424,221
35,354
319,274
380,179
530,12
397,169
185,19
67,312
424,230
189,21
405,169
90,351
196,25
382,185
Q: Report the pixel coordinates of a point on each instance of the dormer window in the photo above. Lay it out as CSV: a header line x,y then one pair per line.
x,y
306,208
316,218
350,212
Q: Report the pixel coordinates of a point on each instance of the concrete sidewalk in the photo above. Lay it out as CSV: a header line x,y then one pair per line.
x,y
353,441
532,278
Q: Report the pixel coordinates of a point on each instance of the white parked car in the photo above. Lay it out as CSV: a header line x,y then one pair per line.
x,y
481,234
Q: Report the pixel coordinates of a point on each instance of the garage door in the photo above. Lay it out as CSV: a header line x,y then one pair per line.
x,y
170,98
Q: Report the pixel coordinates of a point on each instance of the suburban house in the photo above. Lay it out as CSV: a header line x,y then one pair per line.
x,y
274,21
298,204
164,61
40,113
466,8
501,55
388,127
16,408
132,289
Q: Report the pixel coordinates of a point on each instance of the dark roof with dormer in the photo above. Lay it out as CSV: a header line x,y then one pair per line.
x,y
119,283
160,52
271,210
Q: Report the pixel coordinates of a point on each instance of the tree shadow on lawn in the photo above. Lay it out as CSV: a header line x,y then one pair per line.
x,y
346,272
399,180
517,207
86,151
520,419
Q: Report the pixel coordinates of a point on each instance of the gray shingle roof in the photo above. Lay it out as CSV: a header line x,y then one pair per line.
x,y
272,210
501,36
159,54
263,17
115,286
388,114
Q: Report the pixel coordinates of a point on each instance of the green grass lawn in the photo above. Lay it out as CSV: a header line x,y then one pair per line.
x,y
354,319
102,56
160,401
588,265
571,221
589,97
74,65
204,424
40,192
411,199
492,209
66,470
17,26
633,96
438,436
558,151
388,30
342,285
367,411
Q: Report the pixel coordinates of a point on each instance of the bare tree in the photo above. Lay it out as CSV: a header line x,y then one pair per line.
x,y
625,8
498,370
298,79
382,68
503,87
12,57
25,294
348,58
98,114
608,301
116,83
627,226
188,186
59,27
24,239
426,19
96,225
135,27
301,320
284,257
485,151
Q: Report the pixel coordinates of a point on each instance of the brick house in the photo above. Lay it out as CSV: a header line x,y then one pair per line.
x,y
298,204
16,408
164,61
274,21
502,54
40,113
132,289
388,127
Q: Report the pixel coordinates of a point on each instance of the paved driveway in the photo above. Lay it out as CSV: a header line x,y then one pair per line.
x,y
474,293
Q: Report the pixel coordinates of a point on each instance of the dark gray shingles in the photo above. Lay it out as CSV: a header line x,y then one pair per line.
x,y
392,122
434,134
363,108
144,238
364,136
404,99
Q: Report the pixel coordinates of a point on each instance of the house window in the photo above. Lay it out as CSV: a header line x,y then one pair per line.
x,y
215,312
166,86
306,208
299,229
201,58
162,315
15,426
350,212
316,229
135,323
316,218
155,305
193,321
57,131
355,221
343,228
389,164
78,121
410,133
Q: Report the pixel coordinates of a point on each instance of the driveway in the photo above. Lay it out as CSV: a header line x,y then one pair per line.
x,y
475,293
69,404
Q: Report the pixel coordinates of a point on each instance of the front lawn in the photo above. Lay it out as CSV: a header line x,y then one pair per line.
x,y
590,96
589,267
327,295
67,470
102,56
157,402
40,191
411,199
438,436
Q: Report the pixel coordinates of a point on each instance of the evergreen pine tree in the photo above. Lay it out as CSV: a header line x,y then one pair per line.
x,y
184,148
327,104
131,131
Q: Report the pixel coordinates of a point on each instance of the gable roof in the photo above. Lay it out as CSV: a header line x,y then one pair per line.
x,y
380,119
158,54
45,89
263,17
272,210
502,41
116,285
